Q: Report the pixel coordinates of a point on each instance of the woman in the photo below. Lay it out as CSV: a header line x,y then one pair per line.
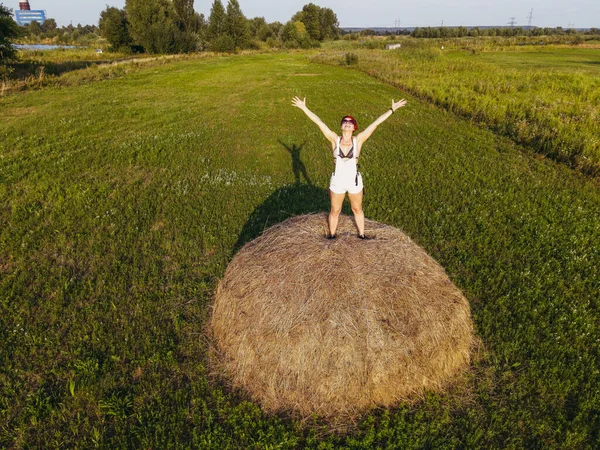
x,y
346,150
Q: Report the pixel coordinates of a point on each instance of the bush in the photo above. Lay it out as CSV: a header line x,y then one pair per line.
x,y
351,59
254,44
291,44
5,72
307,43
272,43
223,43
373,44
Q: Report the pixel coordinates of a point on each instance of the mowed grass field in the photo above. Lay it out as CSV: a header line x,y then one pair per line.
x,y
122,202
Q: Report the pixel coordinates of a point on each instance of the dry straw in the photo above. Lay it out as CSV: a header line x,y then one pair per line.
x,y
334,327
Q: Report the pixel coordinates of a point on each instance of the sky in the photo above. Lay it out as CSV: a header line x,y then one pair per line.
x,y
370,13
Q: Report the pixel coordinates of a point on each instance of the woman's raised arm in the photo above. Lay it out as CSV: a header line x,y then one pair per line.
x,y
330,135
367,132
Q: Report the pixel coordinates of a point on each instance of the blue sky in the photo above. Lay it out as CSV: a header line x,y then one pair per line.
x,y
370,13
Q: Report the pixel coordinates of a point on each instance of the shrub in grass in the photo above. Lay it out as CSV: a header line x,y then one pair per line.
x,y
351,59
223,44
334,327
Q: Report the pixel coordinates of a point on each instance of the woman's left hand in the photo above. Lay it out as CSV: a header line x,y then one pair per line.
x,y
398,104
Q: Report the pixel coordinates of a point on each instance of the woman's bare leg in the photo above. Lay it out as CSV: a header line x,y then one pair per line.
x,y
359,215
337,200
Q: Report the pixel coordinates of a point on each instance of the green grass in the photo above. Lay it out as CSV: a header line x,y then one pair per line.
x,y
37,69
563,60
546,98
122,202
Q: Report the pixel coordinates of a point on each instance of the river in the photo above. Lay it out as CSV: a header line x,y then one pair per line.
x,y
41,46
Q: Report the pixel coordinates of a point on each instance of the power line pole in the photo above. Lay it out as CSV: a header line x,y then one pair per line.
x,y
530,17
512,21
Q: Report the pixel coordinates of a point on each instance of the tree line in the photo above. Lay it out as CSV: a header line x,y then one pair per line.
x,y
66,35
173,26
450,32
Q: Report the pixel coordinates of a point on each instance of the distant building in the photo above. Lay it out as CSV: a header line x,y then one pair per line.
x,y
25,15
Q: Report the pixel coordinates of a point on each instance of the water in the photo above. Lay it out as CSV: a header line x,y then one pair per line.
x,y
41,46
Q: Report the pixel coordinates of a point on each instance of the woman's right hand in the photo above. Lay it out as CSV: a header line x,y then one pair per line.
x,y
299,103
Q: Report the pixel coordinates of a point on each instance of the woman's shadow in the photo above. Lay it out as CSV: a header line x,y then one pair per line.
x,y
298,166
287,201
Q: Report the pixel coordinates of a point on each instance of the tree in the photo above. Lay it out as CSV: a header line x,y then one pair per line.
x,y
320,23
140,15
294,35
34,28
276,27
311,20
217,21
201,29
154,24
298,17
186,14
237,25
114,26
329,24
259,28
149,23
49,27
291,33
9,29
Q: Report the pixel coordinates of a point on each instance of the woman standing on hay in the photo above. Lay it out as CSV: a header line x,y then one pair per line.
x,y
346,149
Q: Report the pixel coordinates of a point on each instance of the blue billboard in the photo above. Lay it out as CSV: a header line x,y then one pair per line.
x,y
25,17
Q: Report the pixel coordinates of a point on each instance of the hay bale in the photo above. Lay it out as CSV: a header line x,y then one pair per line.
x,y
334,327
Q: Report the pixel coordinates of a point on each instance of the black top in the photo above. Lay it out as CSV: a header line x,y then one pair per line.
x,y
348,155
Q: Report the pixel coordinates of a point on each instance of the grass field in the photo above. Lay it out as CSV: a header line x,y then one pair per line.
x,y
545,98
122,202
583,61
36,69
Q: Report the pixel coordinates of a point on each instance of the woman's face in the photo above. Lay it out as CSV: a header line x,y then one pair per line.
x,y
347,125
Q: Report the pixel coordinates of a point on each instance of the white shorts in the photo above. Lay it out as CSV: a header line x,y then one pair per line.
x,y
341,185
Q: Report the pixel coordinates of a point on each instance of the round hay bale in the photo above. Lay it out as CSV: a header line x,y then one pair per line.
x,y
334,327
